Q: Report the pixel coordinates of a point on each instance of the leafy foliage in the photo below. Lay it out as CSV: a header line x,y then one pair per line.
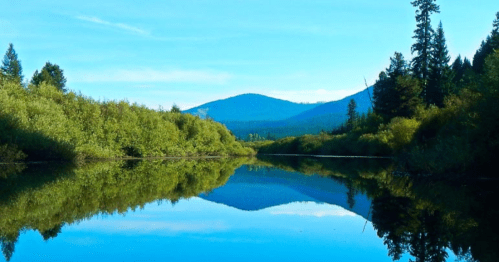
x,y
51,74
44,123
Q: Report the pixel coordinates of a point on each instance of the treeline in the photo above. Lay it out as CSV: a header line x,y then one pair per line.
x,y
43,121
434,116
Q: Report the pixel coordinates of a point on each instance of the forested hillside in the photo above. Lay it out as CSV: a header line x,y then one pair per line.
x,y
434,116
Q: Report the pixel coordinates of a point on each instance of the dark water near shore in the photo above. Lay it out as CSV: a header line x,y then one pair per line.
x,y
271,209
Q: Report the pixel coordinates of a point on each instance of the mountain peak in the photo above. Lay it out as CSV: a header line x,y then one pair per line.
x,y
250,107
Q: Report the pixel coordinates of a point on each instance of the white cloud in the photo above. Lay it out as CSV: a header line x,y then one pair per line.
x,y
152,75
310,209
121,26
322,213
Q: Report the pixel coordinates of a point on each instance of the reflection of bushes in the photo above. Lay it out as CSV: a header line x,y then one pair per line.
x,y
10,153
7,170
45,123
44,203
343,167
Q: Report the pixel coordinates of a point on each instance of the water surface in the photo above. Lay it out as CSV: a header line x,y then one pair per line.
x,y
228,209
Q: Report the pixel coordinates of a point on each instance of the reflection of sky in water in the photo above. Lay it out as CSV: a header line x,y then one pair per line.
x,y
199,230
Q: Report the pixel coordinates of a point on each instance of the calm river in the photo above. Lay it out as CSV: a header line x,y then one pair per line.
x,y
273,209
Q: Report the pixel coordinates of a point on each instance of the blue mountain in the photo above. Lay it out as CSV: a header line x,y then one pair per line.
x,y
250,107
255,190
362,99
258,114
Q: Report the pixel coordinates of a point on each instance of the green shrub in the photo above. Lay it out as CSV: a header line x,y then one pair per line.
x,y
47,124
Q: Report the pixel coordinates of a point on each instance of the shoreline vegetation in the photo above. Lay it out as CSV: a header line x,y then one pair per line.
x,y
432,117
44,123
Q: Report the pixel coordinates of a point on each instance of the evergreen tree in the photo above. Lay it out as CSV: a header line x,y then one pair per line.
x,y
175,109
352,114
440,75
466,64
457,67
396,93
51,74
11,66
495,32
487,47
480,55
458,73
423,34
462,75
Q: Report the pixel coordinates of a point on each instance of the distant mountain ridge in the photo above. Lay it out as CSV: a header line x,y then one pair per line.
x,y
362,99
252,113
250,107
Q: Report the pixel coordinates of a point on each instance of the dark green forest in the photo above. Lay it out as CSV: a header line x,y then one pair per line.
x,y
42,120
432,115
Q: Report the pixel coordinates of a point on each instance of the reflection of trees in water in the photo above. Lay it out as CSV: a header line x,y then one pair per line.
x,y
47,198
405,228
421,216
351,194
8,246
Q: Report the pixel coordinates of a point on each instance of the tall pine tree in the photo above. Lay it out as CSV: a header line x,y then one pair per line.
x,y
495,32
11,66
396,93
487,47
439,80
423,33
352,114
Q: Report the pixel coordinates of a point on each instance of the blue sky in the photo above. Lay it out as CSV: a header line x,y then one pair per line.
x,y
191,52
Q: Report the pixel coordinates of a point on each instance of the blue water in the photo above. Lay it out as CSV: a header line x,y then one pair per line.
x,y
255,216
200,230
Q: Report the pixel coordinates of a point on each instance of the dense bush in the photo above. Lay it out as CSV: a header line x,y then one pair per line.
x,y
43,123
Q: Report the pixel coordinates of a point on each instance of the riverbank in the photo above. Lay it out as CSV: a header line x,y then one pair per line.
x,y
42,123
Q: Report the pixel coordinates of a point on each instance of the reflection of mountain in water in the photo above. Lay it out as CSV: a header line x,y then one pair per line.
x,y
255,190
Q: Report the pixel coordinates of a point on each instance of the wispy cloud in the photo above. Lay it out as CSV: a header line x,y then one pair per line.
x,y
311,209
121,26
153,75
322,213
148,226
